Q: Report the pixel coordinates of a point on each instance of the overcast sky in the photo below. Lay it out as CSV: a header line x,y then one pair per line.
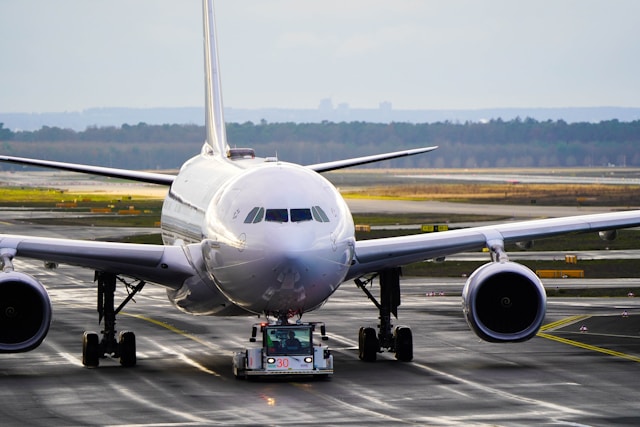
x,y
69,55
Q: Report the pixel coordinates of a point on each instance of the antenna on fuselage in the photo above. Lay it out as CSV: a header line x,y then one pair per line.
x,y
214,114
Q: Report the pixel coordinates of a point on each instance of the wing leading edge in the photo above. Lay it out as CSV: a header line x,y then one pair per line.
x,y
168,266
346,163
140,176
379,254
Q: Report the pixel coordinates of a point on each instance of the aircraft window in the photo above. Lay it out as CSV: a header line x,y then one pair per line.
x,y
251,216
256,215
259,216
277,215
316,216
299,215
319,215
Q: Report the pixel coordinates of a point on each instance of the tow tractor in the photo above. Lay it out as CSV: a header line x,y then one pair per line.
x,y
287,349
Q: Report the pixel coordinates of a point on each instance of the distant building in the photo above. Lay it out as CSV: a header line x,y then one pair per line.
x,y
326,105
385,106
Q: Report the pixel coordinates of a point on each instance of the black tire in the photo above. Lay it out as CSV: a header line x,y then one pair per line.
x,y
127,349
90,350
368,345
322,377
404,344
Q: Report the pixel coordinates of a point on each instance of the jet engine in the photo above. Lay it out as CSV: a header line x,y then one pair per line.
x,y
608,235
504,302
25,312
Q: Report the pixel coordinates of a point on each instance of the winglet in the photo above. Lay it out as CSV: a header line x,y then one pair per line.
x,y
214,119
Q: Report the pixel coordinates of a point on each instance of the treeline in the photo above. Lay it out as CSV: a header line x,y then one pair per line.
x,y
497,143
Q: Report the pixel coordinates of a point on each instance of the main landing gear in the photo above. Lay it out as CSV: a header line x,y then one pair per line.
x,y
124,348
400,340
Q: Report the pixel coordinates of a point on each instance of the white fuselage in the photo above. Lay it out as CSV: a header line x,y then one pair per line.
x,y
274,237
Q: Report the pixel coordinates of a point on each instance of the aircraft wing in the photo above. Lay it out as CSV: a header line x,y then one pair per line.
x,y
148,177
169,266
164,179
378,254
346,163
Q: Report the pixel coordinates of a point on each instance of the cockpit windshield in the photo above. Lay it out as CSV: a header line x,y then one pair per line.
x,y
299,215
258,214
277,215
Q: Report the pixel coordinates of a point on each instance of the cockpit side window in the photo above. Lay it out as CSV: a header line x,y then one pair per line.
x,y
259,216
251,216
319,215
255,215
299,215
277,215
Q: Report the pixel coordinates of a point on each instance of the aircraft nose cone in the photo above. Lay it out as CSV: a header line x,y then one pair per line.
x,y
289,246
282,234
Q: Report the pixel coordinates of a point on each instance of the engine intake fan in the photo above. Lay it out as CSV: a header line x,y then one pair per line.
x,y
25,312
504,302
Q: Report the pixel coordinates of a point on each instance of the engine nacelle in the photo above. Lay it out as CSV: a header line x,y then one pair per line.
x,y
25,312
608,235
526,245
504,302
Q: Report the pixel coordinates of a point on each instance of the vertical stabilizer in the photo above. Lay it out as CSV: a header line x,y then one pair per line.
x,y
214,120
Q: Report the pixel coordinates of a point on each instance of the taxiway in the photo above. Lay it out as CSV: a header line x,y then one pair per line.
x,y
183,377
184,374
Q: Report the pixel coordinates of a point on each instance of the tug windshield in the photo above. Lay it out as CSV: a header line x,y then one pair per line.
x,y
288,341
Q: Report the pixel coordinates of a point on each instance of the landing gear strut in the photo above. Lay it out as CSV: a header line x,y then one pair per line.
x,y
124,347
398,340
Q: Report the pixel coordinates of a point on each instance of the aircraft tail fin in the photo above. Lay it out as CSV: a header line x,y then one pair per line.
x,y
214,119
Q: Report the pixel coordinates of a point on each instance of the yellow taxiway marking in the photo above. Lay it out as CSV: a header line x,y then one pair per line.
x,y
169,327
574,319
182,333
563,322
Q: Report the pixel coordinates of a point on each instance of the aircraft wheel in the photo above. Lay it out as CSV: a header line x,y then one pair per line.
x,y
368,345
404,344
127,348
90,350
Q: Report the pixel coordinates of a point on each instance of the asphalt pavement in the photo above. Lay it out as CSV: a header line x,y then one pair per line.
x,y
582,368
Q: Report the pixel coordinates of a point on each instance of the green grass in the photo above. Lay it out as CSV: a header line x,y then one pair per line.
x,y
37,197
593,269
420,218
112,220
46,198
552,194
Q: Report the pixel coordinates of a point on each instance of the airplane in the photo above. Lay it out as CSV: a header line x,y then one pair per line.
x,y
244,235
